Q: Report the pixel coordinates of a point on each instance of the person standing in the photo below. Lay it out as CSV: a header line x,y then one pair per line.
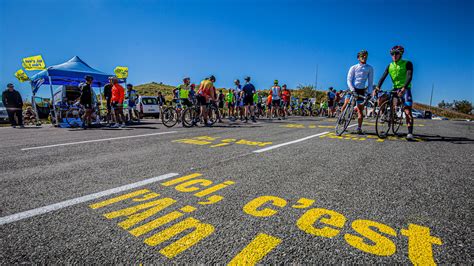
x,y
11,99
118,95
161,101
108,99
248,92
205,95
275,91
86,100
286,97
401,72
132,98
229,98
357,77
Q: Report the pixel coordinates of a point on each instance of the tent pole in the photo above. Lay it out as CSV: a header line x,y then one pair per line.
x,y
52,99
33,102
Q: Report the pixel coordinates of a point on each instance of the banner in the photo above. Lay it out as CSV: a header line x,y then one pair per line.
x,y
33,63
21,75
121,72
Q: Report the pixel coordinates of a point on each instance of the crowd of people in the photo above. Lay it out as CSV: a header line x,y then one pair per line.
x,y
243,101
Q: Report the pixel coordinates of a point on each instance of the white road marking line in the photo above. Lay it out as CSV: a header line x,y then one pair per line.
x,y
97,140
294,141
63,204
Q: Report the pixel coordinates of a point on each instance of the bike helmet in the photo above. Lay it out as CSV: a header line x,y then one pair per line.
x,y
88,77
186,78
247,78
129,85
275,82
397,49
361,53
212,78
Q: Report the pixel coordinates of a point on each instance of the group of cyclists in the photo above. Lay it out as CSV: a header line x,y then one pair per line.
x,y
244,102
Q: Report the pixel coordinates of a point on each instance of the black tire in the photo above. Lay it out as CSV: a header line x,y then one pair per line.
x,y
383,122
213,113
344,119
169,117
397,119
188,117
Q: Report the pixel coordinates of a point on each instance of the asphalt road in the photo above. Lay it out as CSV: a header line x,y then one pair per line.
x,y
271,192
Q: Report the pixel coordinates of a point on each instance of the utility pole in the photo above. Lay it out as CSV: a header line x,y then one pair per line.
x,y
431,98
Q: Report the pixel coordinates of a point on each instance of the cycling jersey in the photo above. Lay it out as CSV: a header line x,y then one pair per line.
x,y
358,75
276,90
183,91
118,93
229,97
132,97
286,94
401,73
398,73
205,88
255,98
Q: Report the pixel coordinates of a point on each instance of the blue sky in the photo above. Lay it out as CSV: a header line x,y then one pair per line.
x,y
167,40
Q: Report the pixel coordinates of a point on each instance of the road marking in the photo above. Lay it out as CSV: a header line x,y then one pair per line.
x,y
294,141
97,140
256,250
63,204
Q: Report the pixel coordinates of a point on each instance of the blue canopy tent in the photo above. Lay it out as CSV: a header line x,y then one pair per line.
x,y
70,73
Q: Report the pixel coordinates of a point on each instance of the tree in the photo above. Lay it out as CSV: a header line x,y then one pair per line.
x,y
463,106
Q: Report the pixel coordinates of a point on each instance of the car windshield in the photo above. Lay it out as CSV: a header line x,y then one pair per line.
x,y
149,101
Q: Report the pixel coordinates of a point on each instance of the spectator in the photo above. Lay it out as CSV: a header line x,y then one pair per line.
x,y
108,98
118,95
86,100
14,104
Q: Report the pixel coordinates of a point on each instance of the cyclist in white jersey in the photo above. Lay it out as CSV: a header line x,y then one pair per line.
x,y
275,91
357,77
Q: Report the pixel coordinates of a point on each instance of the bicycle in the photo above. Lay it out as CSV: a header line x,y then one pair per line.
x,y
390,115
346,115
171,115
192,115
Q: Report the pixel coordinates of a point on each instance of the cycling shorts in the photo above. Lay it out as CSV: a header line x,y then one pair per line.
x,y
330,103
186,101
276,102
202,100
361,92
248,100
407,97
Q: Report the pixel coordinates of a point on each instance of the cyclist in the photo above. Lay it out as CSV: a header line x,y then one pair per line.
x,y
285,96
221,100
275,91
86,100
117,103
357,77
248,92
108,98
401,72
182,92
331,99
229,99
255,104
132,98
269,106
205,95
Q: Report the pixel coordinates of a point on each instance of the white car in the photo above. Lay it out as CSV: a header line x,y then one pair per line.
x,y
148,106
417,114
3,113
435,117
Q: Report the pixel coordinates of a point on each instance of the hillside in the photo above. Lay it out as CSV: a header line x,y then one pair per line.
x,y
442,112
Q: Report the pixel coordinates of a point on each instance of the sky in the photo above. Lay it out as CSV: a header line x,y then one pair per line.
x,y
164,41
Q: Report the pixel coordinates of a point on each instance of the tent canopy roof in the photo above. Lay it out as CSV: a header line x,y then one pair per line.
x,y
71,73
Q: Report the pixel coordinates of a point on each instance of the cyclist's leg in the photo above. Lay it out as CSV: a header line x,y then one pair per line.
x,y
407,103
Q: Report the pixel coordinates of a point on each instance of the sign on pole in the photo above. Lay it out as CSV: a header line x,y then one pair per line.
x,y
33,63
121,72
21,75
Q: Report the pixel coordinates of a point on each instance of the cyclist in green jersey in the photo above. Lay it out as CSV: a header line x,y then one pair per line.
x,y
229,99
401,72
182,91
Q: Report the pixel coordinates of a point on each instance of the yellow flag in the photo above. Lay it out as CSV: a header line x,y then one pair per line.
x,y
121,72
21,75
34,63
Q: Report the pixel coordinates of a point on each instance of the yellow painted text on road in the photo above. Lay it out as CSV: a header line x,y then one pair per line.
x,y
256,250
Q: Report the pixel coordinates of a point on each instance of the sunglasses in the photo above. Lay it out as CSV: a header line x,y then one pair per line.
x,y
395,53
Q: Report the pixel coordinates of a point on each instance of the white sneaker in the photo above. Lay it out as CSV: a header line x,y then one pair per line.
x,y
410,136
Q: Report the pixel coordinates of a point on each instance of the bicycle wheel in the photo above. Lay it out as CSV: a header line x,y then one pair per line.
x,y
189,116
212,114
344,118
383,121
397,119
73,117
169,117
